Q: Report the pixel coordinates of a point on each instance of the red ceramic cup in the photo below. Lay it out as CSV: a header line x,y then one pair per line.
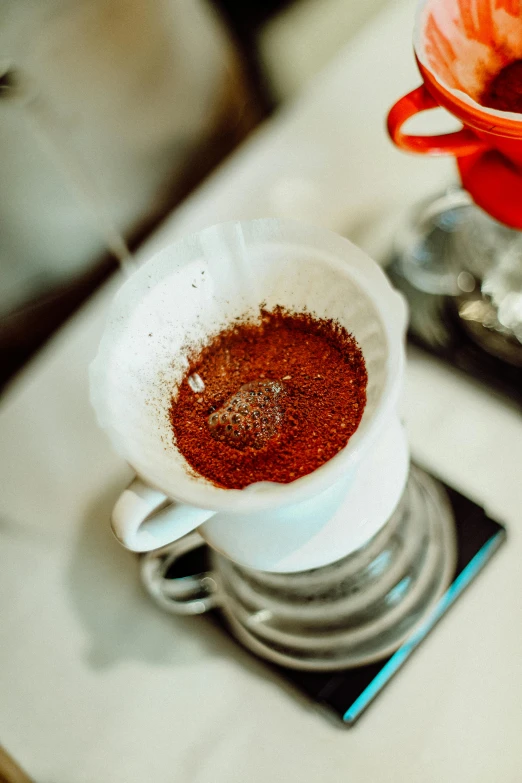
x,y
456,58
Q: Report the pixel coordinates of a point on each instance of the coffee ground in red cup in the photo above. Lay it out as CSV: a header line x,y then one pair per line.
x,y
305,378
504,90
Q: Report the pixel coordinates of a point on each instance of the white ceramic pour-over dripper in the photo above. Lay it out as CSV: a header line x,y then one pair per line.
x,y
178,299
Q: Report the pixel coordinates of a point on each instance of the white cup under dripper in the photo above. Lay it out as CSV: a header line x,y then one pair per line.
x,y
187,293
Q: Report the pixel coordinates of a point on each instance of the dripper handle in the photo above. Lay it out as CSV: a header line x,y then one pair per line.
x,y
144,518
459,143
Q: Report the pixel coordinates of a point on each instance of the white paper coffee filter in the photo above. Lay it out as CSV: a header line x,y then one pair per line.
x,y
194,288
463,43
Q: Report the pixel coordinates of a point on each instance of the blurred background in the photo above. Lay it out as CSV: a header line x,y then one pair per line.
x,y
112,111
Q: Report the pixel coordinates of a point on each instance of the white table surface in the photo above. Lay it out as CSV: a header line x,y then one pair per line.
x,y
96,684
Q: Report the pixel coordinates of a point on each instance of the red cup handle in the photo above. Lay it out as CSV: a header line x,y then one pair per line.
x,y
462,142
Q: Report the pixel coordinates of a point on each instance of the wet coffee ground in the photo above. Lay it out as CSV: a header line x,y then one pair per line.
x,y
281,396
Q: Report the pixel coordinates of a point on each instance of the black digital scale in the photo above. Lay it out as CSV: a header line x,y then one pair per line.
x,y
345,695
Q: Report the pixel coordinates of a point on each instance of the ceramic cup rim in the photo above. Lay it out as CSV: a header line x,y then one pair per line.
x,y
471,113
